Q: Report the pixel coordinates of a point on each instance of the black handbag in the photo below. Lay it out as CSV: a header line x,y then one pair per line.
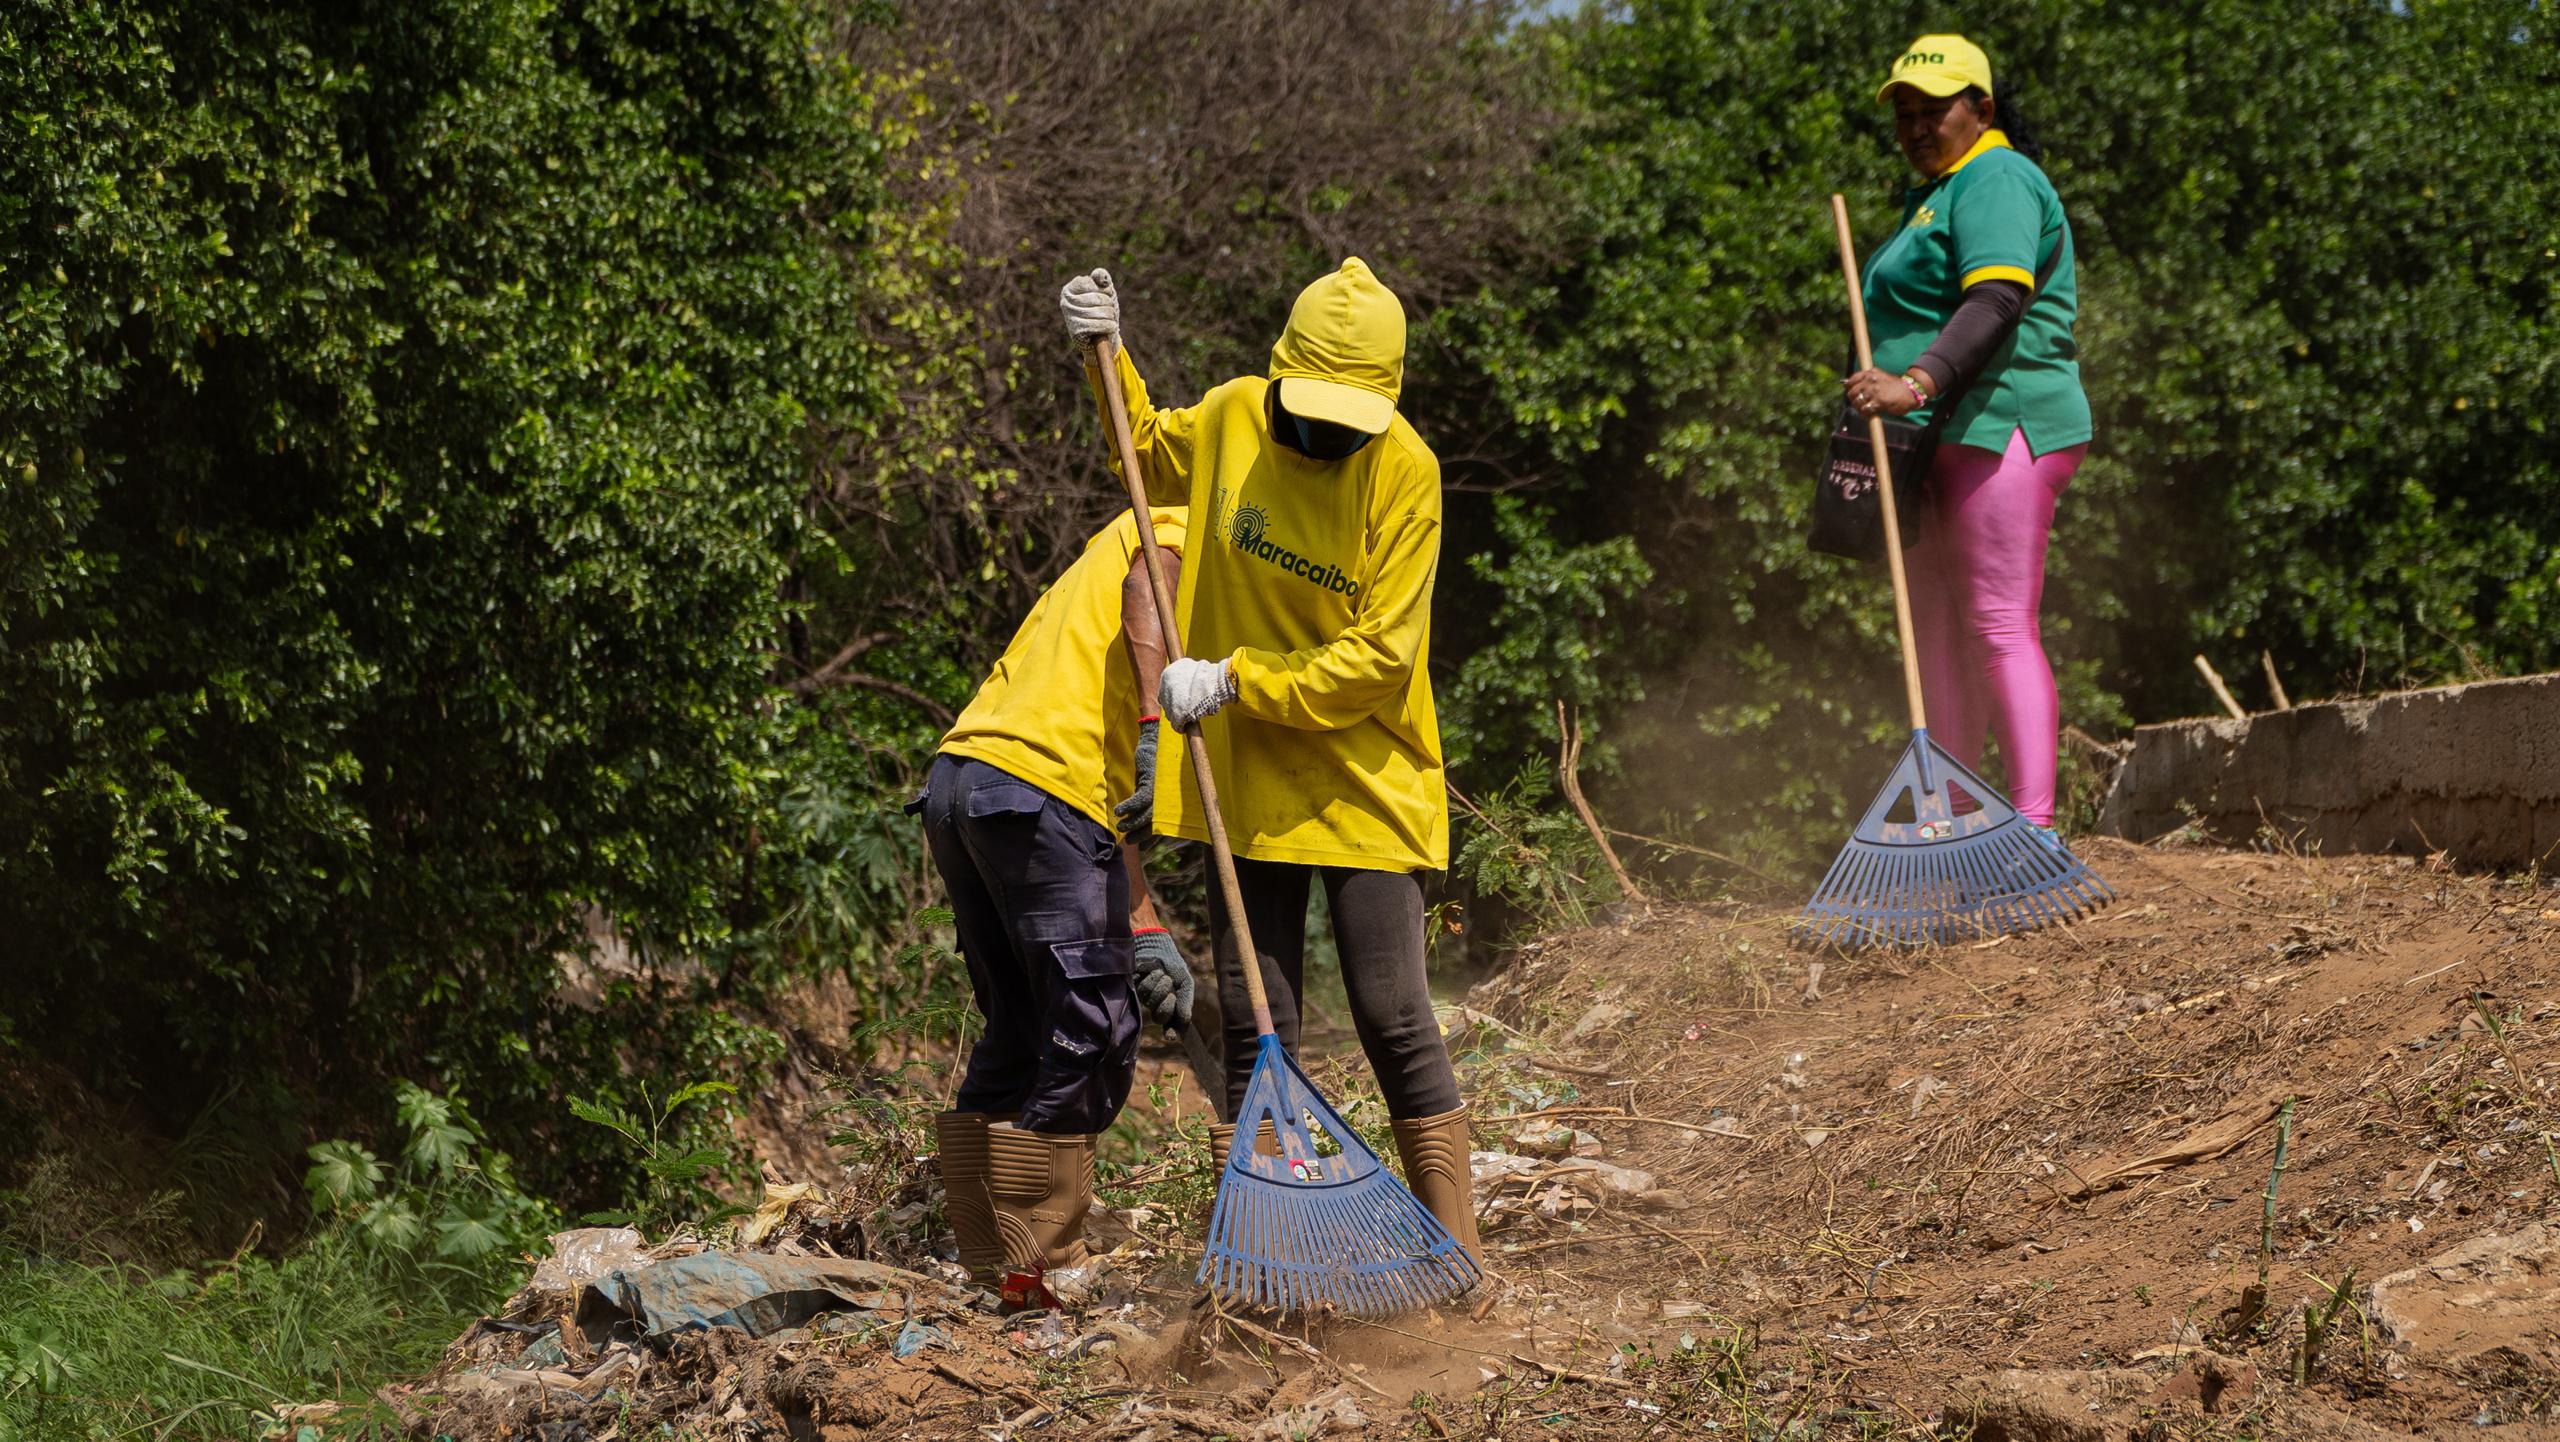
x,y
1848,518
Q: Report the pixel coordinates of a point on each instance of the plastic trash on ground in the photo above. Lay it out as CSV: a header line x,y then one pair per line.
x,y
757,1293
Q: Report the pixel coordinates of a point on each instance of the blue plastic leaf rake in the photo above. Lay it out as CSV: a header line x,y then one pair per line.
x,y
1916,871
1302,1230
1323,1223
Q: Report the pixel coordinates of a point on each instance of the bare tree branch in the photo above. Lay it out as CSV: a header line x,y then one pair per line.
x,y
810,683
909,694
1568,766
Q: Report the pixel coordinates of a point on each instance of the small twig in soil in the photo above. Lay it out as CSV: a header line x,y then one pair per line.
x,y
2424,1172
1582,1239
1279,1339
1200,1422
950,1373
1444,1343
1563,1374
1705,1264
1612,1114
1668,844
1542,1064
1968,981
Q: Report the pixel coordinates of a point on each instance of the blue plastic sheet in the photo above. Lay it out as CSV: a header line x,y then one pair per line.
x,y
916,1336
756,1293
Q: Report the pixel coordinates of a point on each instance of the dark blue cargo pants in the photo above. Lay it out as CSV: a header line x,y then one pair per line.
x,y
1041,904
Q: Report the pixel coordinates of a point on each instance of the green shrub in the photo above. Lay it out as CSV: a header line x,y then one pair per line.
x,y
675,1178
445,1195
405,412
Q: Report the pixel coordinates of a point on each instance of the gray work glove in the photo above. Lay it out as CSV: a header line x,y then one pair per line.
x,y
1137,814
1091,309
1162,980
1193,689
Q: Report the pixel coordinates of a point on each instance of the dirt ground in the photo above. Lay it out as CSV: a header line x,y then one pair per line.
x,y
2007,1190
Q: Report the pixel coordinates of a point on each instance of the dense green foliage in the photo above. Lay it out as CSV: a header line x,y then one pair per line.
x,y
405,410
2333,284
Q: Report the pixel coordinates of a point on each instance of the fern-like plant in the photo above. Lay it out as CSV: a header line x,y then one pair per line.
x,y
446,1193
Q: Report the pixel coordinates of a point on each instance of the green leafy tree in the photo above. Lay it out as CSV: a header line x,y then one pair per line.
x,y
1552,635
406,410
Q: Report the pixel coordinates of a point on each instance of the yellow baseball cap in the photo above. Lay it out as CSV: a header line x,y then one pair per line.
x,y
1939,65
1343,351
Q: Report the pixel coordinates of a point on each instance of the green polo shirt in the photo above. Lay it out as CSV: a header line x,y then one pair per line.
x,y
1991,216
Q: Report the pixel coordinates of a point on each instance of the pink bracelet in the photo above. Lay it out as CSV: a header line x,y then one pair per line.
x,y
1917,394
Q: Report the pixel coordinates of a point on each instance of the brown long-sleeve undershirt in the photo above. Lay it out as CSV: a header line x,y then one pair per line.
x,y
1965,343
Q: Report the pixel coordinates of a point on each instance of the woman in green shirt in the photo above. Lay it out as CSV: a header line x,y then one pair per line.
x,y
1971,304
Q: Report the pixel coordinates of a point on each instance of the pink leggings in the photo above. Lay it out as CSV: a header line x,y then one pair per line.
x,y
1977,576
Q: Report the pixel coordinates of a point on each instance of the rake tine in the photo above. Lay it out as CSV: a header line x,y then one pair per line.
x,y
1939,881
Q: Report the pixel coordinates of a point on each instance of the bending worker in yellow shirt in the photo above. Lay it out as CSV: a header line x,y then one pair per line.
x,y
1018,811
1306,606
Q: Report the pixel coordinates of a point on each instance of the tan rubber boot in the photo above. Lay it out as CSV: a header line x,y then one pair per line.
x,y
1042,1184
1434,1153
962,1138
1222,1135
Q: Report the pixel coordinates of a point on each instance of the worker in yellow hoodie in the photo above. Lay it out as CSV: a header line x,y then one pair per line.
x,y
1052,910
1305,605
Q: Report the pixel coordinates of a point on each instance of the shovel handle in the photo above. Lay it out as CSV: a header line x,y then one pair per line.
x,y
1884,470
1106,355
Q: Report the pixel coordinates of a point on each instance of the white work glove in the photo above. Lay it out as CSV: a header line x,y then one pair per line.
x,y
1091,309
1193,689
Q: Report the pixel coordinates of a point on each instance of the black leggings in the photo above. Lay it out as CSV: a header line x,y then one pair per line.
x,y
1377,927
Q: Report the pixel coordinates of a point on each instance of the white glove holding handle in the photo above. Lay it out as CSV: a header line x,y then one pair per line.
x,y
1192,689
1091,309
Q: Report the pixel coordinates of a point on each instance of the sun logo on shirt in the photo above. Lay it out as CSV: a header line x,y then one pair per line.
x,y
1244,532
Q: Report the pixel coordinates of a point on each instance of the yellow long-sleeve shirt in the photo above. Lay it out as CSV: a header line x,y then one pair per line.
x,y
1060,710
1314,579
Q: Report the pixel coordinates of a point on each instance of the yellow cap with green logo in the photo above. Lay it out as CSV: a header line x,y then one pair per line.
x,y
1939,65
1342,357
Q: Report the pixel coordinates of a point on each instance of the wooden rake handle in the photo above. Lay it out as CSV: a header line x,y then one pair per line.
x,y
1884,470
1106,355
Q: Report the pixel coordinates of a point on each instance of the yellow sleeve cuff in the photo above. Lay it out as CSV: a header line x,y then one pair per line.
x,y
2018,273
1262,682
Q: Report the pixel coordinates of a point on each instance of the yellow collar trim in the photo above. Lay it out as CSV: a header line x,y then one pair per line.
x,y
1992,139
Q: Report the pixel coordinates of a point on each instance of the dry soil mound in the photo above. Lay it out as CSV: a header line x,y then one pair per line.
x,y
2011,1190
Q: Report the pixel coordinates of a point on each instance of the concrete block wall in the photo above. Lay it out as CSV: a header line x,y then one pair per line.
x,y
2471,770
